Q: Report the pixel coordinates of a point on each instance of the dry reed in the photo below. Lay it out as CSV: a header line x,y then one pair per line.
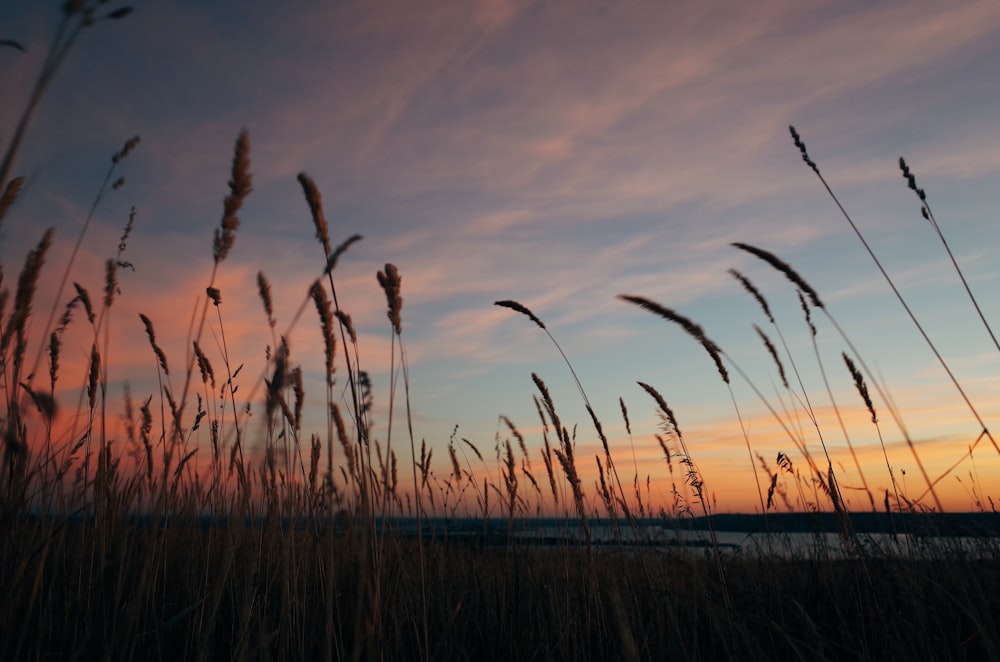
x,y
240,186
692,329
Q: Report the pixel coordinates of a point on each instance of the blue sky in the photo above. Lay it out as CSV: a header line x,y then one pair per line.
x,y
558,154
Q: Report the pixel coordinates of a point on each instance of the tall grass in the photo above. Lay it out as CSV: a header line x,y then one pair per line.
x,y
278,541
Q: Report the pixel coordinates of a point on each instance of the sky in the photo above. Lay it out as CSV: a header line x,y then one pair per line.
x,y
558,154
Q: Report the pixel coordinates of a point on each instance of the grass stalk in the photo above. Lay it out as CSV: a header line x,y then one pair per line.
x,y
975,413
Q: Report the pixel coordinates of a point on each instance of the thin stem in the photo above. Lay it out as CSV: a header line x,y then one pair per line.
x,y
902,301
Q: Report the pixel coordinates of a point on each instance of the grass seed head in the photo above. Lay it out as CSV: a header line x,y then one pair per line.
x,y
204,366
806,312
323,308
10,194
774,354
161,357
911,180
110,282
692,329
84,297
264,289
859,383
754,292
126,149
331,262
802,148
391,281
784,268
240,185
662,403
514,305
315,202
94,375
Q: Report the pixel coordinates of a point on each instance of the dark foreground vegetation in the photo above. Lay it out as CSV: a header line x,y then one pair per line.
x,y
168,537
74,591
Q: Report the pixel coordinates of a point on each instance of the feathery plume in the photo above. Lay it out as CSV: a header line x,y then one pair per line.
x,y
322,302
514,305
784,268
264,289
110,282
54,344
662,404
152,341
300,395
390,281
331,262
130,145
44,403
10,194
315,202
859,383
628,425
694,330
806,311
754,292
27,282
774,354
348,324
473,447
802,148
240,186
911,180
84,297
345,443
94,375
276,384
456,468
204,366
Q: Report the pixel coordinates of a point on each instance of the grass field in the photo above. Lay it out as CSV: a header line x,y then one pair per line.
x,y
123,541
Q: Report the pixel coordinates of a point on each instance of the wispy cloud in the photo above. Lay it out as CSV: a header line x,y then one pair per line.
x,y
554,154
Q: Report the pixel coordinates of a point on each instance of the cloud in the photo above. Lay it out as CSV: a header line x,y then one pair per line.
x,y
502,149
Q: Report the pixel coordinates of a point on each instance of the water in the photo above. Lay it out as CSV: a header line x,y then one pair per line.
x,y
684,536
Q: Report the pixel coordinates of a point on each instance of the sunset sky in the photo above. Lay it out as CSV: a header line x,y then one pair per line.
x,y
558,154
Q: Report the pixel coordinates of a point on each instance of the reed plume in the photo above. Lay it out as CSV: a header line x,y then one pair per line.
x,y
322,302
520,308
240,186
954,380
566,457
925,211
514,305
774,354
204,366
692,329
27,284
694,479
754,292
55,343
784,268
331,261
315,202
264,289
84,296
862,387
390,281
161,357
93,375
10,194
